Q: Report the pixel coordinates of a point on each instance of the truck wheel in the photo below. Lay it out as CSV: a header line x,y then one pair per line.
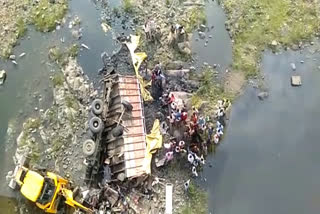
x,y
95,124
89,147
117,131
97,106
127,105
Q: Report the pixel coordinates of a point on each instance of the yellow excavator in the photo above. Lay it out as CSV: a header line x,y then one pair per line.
x,y
46,189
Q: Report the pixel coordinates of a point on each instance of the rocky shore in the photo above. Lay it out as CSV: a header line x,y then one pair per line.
x,y
54,138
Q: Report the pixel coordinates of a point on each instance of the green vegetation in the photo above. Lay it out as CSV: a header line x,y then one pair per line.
x,y
168,2
55,54
71,102
58,79
61,56
57,143
45,16
32,123
256,24
52,114
197,16
128,6
73,51
210,91
197,201
21,27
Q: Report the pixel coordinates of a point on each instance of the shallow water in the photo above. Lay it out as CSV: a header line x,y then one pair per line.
x,y
268,161
219,48
29,79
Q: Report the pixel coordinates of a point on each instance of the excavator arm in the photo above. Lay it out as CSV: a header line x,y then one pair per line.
x,y
71,202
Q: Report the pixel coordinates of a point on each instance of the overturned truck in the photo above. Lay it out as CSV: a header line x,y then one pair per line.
x,y
120,134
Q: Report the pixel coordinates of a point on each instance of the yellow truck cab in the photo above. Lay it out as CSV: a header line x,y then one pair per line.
x,y
45,190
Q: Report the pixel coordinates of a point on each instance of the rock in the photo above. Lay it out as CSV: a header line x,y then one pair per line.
x,y
174,65
274,43
12,57
22,55
202,35
293,66
263,95
184,48
202,28
14,62
311,43
210,36
76,34
301,61
296,81
58,27
192,69
3,77
205,64
105,27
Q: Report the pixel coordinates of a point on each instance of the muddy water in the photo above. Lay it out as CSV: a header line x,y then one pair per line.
x,y
219,48
268,161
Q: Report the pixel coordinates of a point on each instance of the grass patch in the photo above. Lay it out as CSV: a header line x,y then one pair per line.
x,y
45,16
71,102
197,201
32,123
58,79
57,143
73,51
256,23
61,56
128,6
210,91
21,27
197,16
55,54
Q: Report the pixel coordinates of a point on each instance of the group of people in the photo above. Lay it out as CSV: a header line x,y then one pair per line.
x,y
177,111
173,147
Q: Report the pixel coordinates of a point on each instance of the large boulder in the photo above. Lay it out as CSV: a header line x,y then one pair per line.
x,y
184,48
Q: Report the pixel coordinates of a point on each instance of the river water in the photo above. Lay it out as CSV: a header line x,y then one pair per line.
x,y
268,159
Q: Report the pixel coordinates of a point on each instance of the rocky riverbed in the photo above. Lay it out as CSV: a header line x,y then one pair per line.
x,y
54,137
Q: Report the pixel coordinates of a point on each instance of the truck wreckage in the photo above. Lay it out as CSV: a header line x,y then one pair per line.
x,y
118,156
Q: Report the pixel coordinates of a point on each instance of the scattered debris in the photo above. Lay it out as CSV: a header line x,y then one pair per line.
x,y
85,46
14,62
293,66
22,55
263,95
3,77
296,81
105,27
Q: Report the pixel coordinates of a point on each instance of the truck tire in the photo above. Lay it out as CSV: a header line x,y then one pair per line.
x,y
88,147
127,105
95,125
117,131
97,106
